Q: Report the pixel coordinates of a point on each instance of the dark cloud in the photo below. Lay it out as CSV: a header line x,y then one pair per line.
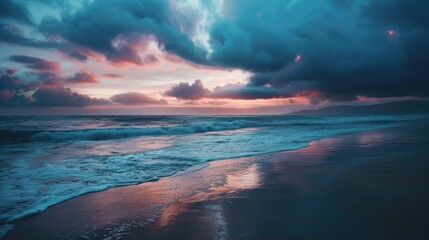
x,y
183,90
134,98
241,91
246,38
398,13
35,62
197,91
116,29
10,99
12,89
78,55
10,9
44,89
83,77
8,80
344,46
12,34
11,71
36,80
64,97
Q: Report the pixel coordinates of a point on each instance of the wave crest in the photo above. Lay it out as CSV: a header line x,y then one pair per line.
x,y
118,133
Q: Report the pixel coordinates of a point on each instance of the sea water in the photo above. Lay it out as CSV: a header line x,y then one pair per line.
x,y
45,160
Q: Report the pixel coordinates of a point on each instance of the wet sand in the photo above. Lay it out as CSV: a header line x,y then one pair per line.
x,y
369,185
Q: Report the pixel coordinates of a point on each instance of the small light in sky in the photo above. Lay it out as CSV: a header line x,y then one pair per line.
x,y
391,33
298,58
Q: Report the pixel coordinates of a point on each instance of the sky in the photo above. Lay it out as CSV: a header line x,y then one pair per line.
x,y
209,57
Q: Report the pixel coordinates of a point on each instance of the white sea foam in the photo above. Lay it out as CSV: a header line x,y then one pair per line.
x,y
118,133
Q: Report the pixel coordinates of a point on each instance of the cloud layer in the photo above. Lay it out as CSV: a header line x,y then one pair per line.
x,y
44,90
188,91
64,97
345,47
327,50
83,77
35,63
196,91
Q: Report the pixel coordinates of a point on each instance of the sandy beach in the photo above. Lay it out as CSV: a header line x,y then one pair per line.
x,y
369,185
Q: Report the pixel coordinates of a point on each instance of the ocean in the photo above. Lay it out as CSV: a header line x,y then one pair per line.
x,y
45,160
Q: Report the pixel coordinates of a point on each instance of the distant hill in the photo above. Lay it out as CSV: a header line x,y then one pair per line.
x,y
401,107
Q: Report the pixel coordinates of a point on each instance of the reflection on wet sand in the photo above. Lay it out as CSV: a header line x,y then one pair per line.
x,y
286,192
102,213
246,178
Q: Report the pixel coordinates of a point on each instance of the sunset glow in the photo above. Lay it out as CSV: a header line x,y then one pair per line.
x,y
194,57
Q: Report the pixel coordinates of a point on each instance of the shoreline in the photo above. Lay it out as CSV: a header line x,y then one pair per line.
x,y
122,211
41,209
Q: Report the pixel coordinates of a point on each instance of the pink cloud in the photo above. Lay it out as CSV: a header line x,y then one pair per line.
x,y
83,77
112,75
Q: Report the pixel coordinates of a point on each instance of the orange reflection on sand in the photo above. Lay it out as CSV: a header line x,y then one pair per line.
x,y
158,203
316,148
171,211
247,178
369,139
